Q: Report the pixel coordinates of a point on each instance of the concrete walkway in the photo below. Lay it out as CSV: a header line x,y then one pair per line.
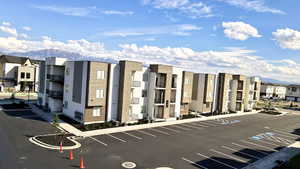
x,y
69,128
269,162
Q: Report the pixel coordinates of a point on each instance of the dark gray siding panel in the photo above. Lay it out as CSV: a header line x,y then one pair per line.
x,y
77,81
42,77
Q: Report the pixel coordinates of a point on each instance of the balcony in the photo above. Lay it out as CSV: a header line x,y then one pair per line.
x,y
160,85
54,94
159,100
136,84
55,78
135,100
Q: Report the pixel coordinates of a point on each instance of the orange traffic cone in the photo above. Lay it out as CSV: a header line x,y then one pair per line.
x,y
81,163
60,148
71,155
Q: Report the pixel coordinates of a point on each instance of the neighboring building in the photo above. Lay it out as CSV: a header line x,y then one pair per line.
x,y
186,94
293,93
253,86
270,90
238,93
88,96
224,86
164,92
52,84
18,74
132,102
203,93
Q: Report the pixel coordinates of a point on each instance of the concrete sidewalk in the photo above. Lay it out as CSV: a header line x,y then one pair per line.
x,y
269,162
71,129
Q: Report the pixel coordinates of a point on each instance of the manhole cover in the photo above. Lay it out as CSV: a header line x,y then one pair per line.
x,y
128,164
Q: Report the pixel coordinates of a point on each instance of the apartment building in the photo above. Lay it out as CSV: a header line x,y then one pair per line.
x,y
224,86
18,74
52,84
253,86
271,90
203,93
293,93
164,92
186,94
133,91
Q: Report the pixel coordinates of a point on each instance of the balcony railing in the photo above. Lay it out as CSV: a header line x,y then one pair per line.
x,y
55,94
159,100
160,85
136,84
135,100
55,78
173,99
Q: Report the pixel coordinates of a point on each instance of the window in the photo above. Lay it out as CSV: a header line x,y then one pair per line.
x,y
187,81
100,74
68,71
78,115
144,93
22,75
294,89
97,112
99,93
66,104
27,75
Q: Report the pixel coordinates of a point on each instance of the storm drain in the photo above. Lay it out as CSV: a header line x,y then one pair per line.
x,y
128,164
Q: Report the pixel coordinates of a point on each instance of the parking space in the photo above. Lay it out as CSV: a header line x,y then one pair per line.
x,y
157,132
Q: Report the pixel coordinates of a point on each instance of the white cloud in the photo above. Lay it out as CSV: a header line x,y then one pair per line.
x,y
253,5
26,28
287,38
231,60
6,23
9,30
70,11
23,35
239,30
114,12
191,9
180,30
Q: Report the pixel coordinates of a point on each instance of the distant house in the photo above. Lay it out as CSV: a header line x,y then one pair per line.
x,y
18,73
271,90
293,93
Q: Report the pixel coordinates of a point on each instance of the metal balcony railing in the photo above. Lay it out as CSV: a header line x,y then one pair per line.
x,y
135,100
55,78
136,84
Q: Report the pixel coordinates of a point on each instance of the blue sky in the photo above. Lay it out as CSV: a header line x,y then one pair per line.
x,y
205,35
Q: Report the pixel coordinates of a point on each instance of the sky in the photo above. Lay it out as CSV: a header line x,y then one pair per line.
x,y
251,37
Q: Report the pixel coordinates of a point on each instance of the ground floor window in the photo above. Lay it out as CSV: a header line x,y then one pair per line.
x,y
97,111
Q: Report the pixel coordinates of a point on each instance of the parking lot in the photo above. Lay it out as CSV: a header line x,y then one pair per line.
x,y
225,143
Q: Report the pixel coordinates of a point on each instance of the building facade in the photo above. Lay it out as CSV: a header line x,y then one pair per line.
x,y
293,93
203,93
18,74
186,94
270,90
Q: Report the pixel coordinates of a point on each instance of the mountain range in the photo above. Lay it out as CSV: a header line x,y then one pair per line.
x,y
42,54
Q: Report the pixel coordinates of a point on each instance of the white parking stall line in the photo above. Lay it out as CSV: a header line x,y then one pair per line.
x,y
227,165
284,140
146,133
286,133
98,141
162,132
132,135
266,147
250,149
237,151
190,126
196,124
183,128
191,162
229,156
177,131
117,138
274,139
268,143
208,124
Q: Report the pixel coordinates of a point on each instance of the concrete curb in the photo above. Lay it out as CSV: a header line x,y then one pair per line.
x,y
269,162
151,125
48,146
